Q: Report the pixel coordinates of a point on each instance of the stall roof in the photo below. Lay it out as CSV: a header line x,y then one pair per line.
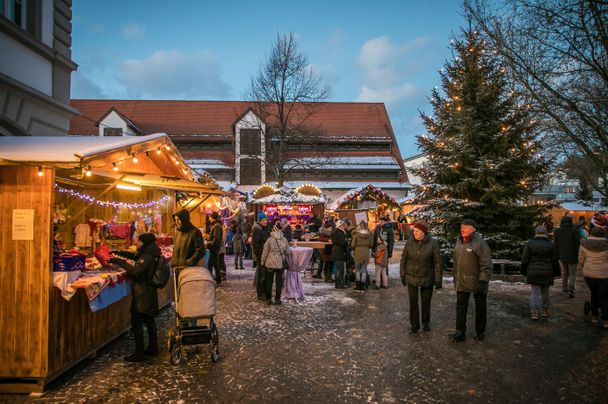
x,y
65,149
164,182
576,206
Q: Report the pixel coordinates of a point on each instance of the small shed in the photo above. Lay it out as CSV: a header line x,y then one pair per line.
x,y
298,206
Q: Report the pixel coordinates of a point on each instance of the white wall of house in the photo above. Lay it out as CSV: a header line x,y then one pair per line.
x,y
113,120
249,121
414,162
25,65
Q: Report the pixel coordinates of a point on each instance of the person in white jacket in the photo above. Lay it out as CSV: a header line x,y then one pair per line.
x,y
274,258
593,261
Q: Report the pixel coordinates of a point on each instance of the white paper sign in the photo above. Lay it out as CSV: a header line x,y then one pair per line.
x,y
360,217
23,224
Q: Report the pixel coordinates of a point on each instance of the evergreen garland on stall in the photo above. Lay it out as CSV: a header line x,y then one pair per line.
x,y
369,193
483,152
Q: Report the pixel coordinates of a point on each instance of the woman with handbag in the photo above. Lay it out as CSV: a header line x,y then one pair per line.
x,y
274,260
540,264
382,246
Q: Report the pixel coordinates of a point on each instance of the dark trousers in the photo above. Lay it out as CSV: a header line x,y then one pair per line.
x,y
462,305
222,265
214,264
137,321
599,296
260,275
270,277
425,295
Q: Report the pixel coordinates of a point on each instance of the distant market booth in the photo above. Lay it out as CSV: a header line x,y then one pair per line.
x,y
66,203
298,205
367,203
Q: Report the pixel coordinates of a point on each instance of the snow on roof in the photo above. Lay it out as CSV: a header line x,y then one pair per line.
x,y
348,163
349,194
579,206
289,196
206,164
350,184
64,149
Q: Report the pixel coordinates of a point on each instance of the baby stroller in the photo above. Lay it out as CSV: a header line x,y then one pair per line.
x,y
194,313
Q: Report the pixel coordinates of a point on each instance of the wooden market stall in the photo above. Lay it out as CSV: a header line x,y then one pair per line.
x,y
369,201
298,206
575,210
47,186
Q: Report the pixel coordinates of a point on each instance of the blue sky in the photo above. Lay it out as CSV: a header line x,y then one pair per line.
x,y
377,51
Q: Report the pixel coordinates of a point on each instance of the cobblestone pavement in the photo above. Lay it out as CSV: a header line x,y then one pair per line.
x,y
346,346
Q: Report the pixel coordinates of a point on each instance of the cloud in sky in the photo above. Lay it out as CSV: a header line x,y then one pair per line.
x,y
385,68
174,74
133,31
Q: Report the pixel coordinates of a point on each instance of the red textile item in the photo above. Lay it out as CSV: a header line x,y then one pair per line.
x,y
103,254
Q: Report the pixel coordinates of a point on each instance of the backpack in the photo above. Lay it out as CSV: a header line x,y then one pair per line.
x,y
162,273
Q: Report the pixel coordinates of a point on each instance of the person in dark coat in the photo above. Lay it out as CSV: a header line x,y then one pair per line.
x,y
567,242
297,232
259,235
214,244
472,272
286,229
384,237
188,247
420,270
338,253
238,248
326,265
144,299
540,264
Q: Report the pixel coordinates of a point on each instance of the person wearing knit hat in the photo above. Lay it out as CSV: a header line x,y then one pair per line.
x,y
420,270
261,216
472,271
144,300
539,264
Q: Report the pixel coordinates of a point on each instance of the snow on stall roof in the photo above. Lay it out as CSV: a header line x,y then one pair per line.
x,y
290,196
350,162
64,149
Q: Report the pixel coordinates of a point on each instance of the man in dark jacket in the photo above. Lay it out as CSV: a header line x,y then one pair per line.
x,y
144,299
567,242
338,253
214,244
259,235
188,248
472,272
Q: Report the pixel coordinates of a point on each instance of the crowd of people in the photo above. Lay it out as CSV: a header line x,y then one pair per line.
x,y
564,251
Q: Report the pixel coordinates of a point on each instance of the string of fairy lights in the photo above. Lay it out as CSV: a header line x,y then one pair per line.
x,y
119,205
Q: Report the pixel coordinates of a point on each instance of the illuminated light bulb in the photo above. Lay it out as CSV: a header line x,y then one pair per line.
x,y
88,172
114,166
176,162
158,150
167,147
135,160
40,172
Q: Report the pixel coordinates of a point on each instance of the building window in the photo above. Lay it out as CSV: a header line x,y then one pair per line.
x,y
24,13
112,131
251,172
251,141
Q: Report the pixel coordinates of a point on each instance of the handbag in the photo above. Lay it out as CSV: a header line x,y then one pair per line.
x,y
379,255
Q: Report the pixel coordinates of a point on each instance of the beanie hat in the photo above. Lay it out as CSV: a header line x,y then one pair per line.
x,y
340,223
422,227
541,230
598,232
147,238
261,216
470,222
215,216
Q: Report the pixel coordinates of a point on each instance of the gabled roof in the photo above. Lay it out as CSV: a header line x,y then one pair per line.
x,y
217,117
129,122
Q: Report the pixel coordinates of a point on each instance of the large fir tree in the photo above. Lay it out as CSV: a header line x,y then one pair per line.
x,y
481,145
